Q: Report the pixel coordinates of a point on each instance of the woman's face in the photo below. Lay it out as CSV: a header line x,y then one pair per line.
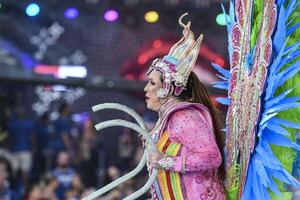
x,y
154,83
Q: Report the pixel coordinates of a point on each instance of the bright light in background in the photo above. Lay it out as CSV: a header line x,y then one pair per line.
x,y
142,59
111,15
32,9
156,44
71,13
72,71
221,19
62,71
151,16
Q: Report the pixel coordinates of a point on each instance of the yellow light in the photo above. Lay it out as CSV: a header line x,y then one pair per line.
x,y
151,17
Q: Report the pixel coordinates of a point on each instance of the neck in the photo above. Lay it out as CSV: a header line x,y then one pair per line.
x,y
167,105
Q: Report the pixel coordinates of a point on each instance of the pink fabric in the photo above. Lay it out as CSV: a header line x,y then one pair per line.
x,y
192,127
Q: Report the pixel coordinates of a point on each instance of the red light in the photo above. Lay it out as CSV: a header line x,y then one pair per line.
x,y
142,59
129,77
220,62
142,77
156,44
46,69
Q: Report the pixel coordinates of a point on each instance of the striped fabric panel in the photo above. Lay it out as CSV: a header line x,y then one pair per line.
x,y
169,182
157,190
162,181
176,185
162,141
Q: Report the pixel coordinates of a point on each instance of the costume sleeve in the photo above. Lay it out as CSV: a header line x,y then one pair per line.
x,y
191,128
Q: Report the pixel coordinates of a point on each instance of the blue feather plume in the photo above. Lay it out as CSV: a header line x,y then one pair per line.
x,y
264,165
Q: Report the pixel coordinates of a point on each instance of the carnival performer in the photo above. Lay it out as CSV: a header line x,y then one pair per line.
x,y
187,134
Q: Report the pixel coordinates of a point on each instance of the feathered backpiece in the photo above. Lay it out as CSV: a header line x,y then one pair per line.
x,y
261,61
178,64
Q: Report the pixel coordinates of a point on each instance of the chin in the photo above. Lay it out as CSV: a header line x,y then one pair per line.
x,y
150,107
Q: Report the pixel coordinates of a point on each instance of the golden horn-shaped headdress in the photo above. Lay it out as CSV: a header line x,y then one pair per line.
x,y
180,61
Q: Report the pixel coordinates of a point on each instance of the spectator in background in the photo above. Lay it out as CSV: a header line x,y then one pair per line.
x,y
4,114
87,192
89,146
64,174
62,127
43,131
6,193
76,190
45,190
21,143
126,149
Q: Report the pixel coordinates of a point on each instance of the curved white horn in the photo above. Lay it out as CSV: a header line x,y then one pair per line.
x,y
140,129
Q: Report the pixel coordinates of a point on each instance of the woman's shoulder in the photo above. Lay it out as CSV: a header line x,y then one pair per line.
x,y
189,109
190,112
189,117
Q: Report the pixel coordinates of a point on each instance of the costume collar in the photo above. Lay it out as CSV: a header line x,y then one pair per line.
x,y
169,105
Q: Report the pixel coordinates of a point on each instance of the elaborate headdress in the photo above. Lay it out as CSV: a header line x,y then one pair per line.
x,y
178,64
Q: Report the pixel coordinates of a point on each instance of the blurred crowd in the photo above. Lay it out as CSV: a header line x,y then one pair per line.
x,y
58,159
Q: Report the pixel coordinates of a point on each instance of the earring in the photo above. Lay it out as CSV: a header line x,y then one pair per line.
x,y
162,93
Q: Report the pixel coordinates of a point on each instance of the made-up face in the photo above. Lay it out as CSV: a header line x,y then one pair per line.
x,y
154,83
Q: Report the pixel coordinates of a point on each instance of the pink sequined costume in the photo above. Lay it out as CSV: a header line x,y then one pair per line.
x,y
189,126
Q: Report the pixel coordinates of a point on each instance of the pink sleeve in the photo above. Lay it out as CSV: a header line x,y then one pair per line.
x,y
199,150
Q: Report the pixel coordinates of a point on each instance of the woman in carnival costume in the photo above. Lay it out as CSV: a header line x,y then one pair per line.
x,y
263,117
187,133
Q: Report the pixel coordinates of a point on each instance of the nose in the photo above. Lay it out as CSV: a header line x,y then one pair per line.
x,y
146,88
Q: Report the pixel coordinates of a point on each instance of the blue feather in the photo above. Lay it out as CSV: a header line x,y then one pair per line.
x,y
270,86
271,78
262,128
262,172
263,165
280,2
266,117
282,63
288,73
291,48
278,58
274,188
277,99
264,152
291,20
280,34
270,161
224,72
222,77
248,185
293,55
278,174
229,29
291,7
285,123
226,19
289,100
277,129
221,85
231,14
282,107
257,188
292,29
281,141
284,176
225,101
285,60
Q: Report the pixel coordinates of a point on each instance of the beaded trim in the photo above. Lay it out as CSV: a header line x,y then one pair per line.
x,y
167,163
